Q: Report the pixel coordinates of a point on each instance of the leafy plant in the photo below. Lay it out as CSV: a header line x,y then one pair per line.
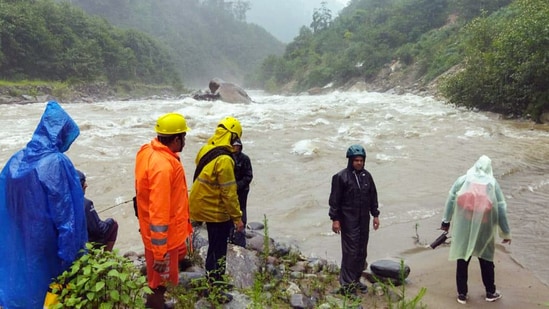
x,y
101,279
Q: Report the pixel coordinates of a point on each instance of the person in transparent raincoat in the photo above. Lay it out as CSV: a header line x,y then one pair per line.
x,y
477,211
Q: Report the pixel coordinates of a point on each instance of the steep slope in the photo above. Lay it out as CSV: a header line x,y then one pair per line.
x,y
204,40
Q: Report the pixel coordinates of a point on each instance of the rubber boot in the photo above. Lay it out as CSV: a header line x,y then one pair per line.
x,y
156,299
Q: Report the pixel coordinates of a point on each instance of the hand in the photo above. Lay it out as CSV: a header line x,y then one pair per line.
x,y
239,226
376,223
160,266
506,241
336,227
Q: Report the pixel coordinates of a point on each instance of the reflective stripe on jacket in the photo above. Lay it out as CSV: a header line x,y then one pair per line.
x,y
213,195
162,200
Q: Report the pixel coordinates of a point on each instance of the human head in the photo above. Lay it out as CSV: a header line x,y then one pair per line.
x,y
232,125
171,129
82,178
237,145
356,155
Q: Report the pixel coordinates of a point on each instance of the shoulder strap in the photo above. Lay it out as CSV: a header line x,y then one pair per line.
x,y
208,157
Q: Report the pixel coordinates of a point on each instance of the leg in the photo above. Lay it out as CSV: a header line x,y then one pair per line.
x,y
218,236
156,299
462,276
488,276
111,236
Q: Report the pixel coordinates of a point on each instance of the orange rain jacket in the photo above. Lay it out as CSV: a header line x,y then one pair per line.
x,y
162,199
213,196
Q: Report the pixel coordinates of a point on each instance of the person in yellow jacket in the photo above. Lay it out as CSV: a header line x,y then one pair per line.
x,y
213,197
162,204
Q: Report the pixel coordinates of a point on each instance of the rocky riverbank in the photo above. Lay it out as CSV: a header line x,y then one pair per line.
x,y
93,92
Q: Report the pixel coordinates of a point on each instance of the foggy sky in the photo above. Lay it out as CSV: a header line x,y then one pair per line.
x,y
284,18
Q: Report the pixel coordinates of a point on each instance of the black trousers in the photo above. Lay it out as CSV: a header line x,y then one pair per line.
x,y
486,270
354,245
218,236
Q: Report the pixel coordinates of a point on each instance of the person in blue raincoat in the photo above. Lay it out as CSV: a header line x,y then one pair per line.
x,y
42,222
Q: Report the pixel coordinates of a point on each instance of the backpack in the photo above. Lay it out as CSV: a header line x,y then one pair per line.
x,y
476,198
208,157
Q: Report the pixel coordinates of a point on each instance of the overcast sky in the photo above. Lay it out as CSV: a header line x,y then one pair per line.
x,y
284,18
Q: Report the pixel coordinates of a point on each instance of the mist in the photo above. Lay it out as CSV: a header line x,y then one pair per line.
x,y
283,19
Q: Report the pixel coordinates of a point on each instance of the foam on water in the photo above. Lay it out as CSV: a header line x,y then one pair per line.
x,y
416,148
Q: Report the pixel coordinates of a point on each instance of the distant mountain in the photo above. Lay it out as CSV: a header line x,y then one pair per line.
x,y
284,18
204,40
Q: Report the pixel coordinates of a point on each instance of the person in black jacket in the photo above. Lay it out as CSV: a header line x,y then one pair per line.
x,y
101,232
244,175
353,198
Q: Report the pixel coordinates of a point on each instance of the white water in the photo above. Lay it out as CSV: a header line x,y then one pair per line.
x,y
416,148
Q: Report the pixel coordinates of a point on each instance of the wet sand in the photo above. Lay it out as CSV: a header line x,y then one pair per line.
x,y
432,269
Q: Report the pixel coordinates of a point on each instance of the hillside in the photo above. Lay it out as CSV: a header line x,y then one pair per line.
x,y
205,39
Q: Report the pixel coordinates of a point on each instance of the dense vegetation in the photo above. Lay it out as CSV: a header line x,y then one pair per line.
x,y
502,48
506,67
42,40
207,38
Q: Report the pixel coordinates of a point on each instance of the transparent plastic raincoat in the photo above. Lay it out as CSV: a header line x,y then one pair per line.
x,y
477,210
42,222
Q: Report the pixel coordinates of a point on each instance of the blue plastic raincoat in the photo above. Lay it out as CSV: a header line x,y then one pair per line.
x,y
42,222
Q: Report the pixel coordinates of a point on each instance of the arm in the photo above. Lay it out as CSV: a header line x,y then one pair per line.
x,y
335,203
159,208
374,205
247,173
65,200
451,203
504,230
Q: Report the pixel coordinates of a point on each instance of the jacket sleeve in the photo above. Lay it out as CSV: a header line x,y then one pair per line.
x,y
65,200
504,230
229,198
247,173
96,227
335,198
159,208
451,200
374,205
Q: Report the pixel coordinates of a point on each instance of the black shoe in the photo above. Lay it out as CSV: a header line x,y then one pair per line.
x,y
363,288
491,297
462,299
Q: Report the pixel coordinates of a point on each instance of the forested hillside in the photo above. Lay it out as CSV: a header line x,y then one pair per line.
x,y
41,40
206,38
499,47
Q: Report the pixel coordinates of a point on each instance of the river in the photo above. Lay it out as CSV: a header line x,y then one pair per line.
x,y
416,148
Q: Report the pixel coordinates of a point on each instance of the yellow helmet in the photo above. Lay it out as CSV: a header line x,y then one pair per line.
x,y
231,124
171,123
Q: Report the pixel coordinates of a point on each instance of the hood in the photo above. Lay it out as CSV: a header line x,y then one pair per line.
x,y
481,172
55,133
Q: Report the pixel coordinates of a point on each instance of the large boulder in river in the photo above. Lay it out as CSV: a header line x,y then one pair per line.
x,y
228,92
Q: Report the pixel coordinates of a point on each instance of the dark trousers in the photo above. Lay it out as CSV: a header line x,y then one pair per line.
x,y
486,270
354,244
218,236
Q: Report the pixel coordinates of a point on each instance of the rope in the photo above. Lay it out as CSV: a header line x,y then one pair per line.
x,y
116,205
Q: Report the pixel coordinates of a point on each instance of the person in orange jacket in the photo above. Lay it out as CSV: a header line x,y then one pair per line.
x,y
162,204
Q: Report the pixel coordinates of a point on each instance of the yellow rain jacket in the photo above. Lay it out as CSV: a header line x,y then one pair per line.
x,y
213,195
162,200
